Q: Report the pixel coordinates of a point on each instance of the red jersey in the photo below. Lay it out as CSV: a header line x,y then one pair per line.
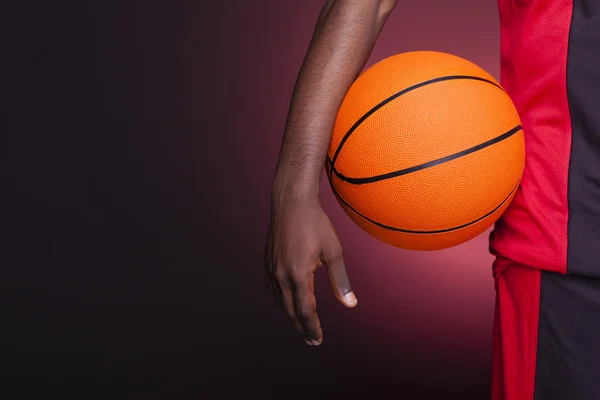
x,y
550,66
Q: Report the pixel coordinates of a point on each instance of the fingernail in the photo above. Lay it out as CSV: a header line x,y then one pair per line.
x,y
308,342
315,343
350,298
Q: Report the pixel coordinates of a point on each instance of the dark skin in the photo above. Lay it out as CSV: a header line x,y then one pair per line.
x,y
301,237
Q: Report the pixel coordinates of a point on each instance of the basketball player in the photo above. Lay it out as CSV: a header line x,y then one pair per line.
x,y
547,244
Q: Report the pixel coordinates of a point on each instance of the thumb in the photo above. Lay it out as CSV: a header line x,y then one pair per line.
x,y
338,277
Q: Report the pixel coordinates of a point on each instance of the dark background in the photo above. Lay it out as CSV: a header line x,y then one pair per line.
x,y
137,156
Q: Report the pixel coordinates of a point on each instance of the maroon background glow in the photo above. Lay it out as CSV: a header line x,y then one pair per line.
x,y
417,311
140,164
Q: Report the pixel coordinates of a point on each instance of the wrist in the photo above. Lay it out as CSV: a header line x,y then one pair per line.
x,y
294,187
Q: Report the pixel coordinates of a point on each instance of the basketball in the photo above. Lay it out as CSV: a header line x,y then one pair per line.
x,y
427,151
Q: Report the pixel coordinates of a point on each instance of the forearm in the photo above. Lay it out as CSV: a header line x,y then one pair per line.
x,y
344,37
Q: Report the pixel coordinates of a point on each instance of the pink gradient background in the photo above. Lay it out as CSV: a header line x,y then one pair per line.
x,y
407,298
429,310
139,191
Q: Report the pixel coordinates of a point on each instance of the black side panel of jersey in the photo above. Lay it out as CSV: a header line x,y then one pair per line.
x,y
583,90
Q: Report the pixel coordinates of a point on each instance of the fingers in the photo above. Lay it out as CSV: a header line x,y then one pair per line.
x,y
298,301
306,307
338,277
289,306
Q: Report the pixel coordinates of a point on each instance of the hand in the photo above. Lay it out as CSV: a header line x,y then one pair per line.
x,y
301,238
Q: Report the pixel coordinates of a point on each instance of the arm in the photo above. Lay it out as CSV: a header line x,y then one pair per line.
x,y
342,42
301,237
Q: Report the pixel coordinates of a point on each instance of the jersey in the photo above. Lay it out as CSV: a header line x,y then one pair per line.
x,y
550,66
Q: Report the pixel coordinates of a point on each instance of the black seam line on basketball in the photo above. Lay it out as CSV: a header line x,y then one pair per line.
x,y
395,96
391,228
429,164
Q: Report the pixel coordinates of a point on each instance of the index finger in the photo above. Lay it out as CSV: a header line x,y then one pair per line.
x,y
306,307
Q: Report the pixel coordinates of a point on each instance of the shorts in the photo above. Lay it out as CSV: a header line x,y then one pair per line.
x,y
546,343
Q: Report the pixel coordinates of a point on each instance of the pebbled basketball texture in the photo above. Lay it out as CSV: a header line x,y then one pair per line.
x,y
427,151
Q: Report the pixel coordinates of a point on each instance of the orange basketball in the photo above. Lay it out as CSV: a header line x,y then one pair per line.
x,y
427,151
